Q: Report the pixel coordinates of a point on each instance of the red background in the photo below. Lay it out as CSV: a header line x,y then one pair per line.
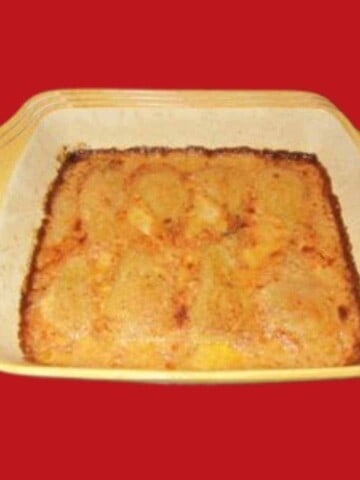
x,y
51,428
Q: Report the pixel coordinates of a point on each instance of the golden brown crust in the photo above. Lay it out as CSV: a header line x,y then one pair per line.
x,y
181,314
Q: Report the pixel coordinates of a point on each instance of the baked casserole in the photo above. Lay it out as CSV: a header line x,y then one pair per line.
x,y
191,259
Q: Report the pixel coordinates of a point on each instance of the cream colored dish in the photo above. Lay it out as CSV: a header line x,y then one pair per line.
x,y
30,142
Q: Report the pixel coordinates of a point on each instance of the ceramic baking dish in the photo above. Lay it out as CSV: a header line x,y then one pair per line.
x,y
31,140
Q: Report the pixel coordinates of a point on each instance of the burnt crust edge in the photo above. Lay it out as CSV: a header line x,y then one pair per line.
x,y
28,282
346,247
80,154
68,157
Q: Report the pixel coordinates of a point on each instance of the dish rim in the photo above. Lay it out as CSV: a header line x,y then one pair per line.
x,y
17,130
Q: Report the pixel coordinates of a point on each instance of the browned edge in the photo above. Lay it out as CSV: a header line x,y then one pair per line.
x,y
346,247
65,159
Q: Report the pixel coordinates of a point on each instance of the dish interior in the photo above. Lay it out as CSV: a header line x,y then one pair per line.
x,y
306,130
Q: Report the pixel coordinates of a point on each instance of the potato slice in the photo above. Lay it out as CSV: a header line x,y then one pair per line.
x,y
140,219
205,215
295,310
225,186
264,240
164,192
68,301
101,199
220,300
140,299
281,193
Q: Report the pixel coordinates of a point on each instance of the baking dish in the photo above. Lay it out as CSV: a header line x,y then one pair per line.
x,y
31,141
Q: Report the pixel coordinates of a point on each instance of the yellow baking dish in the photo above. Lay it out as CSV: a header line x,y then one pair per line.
x,y
31,140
